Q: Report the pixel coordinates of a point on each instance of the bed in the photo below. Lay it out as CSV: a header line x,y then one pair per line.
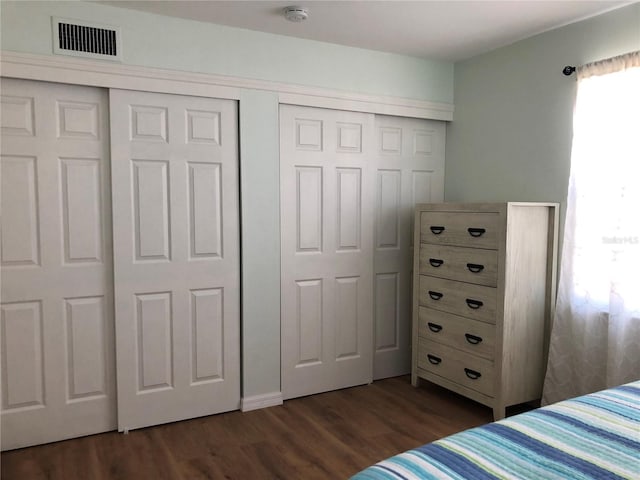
x,y
596,436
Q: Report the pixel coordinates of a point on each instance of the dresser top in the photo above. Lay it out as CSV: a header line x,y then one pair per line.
x,y
480,207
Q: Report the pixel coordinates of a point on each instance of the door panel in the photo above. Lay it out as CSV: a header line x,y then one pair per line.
x,y
410,169
20,239
57,321
176,256
327,248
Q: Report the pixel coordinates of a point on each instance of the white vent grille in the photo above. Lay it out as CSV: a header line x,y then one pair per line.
x,y
78,38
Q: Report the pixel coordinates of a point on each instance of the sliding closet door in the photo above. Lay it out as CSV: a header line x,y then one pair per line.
x,y
409,164
176,256
327,249
56,335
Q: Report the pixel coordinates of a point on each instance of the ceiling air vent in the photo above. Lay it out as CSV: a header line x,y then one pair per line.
x,y
83,39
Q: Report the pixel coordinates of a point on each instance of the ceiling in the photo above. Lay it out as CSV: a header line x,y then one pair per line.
x,y
438,30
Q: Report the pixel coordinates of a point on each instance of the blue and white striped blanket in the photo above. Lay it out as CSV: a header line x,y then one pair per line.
x,y
596,436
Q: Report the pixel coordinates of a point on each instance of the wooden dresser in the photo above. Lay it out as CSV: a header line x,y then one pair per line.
x,y
483,294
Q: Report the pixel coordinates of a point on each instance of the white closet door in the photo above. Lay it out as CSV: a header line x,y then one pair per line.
x,y
409,161
176,256
57,308
327,211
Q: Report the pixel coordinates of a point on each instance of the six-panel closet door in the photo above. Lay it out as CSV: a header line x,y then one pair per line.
x,y
176,256
327,249
409,164
56,336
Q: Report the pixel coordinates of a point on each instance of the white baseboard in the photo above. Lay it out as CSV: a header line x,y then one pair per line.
x,y
261,401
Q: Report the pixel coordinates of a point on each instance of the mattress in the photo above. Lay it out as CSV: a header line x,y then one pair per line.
x,y
596,436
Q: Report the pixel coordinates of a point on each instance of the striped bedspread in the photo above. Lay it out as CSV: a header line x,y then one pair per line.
x,y
596,436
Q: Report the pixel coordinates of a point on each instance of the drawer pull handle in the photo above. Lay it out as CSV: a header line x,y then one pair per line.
x,y
436,230
435,295
475,268
476,232
433,359
436,262
474,304
434,327
472,339
472,374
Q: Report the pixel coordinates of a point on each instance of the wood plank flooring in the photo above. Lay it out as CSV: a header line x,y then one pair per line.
x,y
328,436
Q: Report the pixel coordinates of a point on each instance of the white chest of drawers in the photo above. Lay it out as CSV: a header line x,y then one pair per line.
x,y
483,294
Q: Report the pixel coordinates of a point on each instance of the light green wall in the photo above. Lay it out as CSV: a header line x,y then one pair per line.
x,y
157,41
260,213
511,135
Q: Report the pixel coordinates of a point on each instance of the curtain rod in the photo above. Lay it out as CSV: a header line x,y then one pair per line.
x,y
570,69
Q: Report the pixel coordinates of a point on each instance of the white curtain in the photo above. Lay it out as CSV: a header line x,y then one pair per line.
x,y
595,337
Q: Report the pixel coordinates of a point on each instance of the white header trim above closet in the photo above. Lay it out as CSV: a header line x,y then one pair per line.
x,y
109,75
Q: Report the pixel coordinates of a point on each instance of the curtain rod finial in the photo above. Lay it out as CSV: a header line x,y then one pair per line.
x,y
568,70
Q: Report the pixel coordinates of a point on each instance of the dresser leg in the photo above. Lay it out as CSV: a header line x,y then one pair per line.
x,y
415,381
498,412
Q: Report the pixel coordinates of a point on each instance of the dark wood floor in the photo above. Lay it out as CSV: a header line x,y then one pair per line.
x,y
327,436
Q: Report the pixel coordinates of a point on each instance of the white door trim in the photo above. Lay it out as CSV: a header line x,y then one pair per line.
x,y
396,106
127,77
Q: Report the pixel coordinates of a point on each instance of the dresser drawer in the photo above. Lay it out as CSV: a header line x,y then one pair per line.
x,y
473,372
460,263
472,301
477,338
477,230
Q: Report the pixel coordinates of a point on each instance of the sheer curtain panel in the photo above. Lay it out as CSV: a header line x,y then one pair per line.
x,y
595,337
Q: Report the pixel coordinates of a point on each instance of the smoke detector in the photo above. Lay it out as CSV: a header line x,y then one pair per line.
x,y
296,14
